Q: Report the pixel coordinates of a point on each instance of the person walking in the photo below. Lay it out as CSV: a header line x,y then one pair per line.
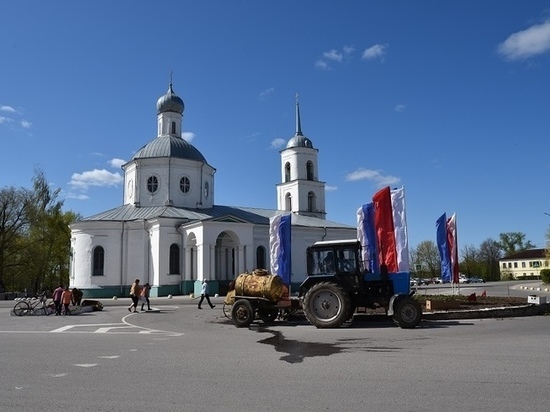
x,y
66,298
204,294
145,297
135,293
57,299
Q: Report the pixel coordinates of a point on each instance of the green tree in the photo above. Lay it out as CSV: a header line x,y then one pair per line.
x,y
490,253
426,254
470,264
14,223
513,242
36,250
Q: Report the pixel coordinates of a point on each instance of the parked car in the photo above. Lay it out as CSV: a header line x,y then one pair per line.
x,y
418,282
476,279
463,279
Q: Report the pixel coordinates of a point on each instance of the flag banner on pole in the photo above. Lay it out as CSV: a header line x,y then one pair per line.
x,y
400,225
382,232
452,242
385,230
367,237
280,246
443,246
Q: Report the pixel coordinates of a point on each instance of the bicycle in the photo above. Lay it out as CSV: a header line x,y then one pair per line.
x,y
35,305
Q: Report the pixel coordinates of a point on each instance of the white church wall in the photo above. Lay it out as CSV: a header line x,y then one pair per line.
x,y
169,236
197,177
130,191
136,253
83,248
81,263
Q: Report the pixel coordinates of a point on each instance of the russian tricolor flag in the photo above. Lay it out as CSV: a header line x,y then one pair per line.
x,y
382,231
447,243
280,246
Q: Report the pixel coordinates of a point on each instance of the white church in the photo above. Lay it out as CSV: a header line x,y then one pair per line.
x,y
171,234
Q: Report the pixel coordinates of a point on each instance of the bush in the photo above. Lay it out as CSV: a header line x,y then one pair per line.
x,y
545,275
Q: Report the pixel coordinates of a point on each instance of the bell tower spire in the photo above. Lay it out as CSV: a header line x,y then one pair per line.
x,y
301,191
298,123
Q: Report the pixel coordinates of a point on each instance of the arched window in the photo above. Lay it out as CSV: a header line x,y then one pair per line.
x,y
260,257
288,202
287,172
174,259
206,190
185,184
311,202
173,127
152,184
309,171
98,263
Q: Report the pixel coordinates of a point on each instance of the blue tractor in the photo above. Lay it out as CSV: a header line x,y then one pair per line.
x,y
337,286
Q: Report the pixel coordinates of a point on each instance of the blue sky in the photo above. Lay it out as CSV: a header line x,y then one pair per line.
x,y
446,98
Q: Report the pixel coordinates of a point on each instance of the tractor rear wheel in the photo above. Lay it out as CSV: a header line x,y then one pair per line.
x,y
327,305
242,313
407,313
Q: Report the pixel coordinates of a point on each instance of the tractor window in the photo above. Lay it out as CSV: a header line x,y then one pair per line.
x,y
320,262
346,260
331,261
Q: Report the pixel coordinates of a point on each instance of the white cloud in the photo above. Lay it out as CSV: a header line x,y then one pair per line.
x,y
348,50
15,119
400,108
527,43
375,52
320,64
102,178
373,176
333,55
188,136
77,196
266,93
116,163
278,143
330,188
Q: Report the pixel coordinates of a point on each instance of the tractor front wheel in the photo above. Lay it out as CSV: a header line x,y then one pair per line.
x,y
407,313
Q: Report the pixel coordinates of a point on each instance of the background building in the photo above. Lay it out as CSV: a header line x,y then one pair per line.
x,y
524,265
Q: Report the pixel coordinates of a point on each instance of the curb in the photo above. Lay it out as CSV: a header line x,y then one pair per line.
x,y
507,312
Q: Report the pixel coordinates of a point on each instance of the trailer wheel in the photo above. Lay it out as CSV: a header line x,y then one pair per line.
x,y
327,305
242,313
268,315
226,310
408,313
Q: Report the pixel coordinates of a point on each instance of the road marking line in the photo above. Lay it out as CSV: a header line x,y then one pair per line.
x,y
63,329
107,329
85,365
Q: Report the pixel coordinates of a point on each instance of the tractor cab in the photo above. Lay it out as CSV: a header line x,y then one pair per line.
x,y
334,257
